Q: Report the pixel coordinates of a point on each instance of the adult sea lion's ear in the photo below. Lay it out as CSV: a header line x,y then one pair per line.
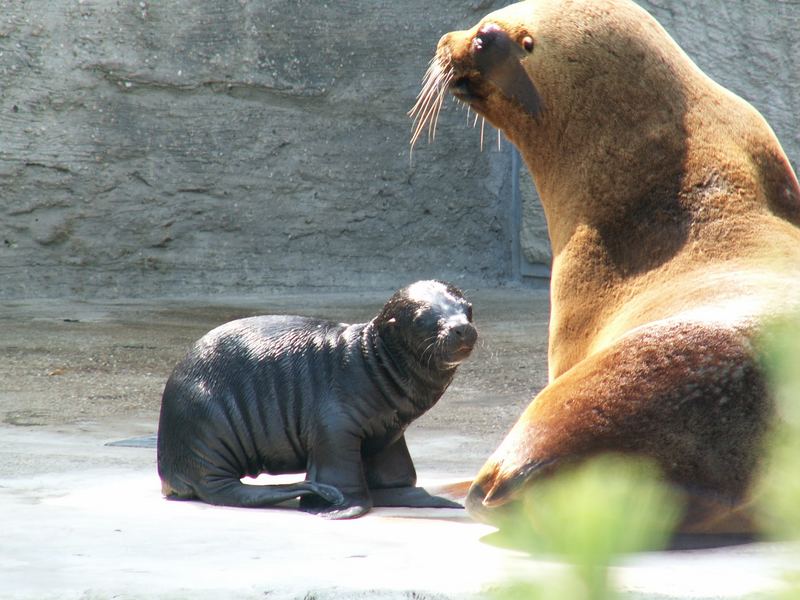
x,y
499,60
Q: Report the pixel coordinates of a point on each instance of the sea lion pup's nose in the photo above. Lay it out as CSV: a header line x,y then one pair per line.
x,y
466,333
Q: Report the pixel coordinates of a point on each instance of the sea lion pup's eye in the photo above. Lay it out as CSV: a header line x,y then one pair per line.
x,y
469,313
527,44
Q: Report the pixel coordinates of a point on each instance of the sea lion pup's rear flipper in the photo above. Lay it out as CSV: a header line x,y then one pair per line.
x,y
232,492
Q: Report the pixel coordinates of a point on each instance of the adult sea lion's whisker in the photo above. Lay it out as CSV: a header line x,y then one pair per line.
x,y
424,112
430,100
440,101
421,109
436,103
426,118
429,88
429,118
423,119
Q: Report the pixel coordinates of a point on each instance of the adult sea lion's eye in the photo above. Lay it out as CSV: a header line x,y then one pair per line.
x,y
527,43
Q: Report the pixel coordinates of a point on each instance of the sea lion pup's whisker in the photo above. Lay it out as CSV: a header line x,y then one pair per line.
x,y
436,347
431,343
426,344
483,124
430,352
434,351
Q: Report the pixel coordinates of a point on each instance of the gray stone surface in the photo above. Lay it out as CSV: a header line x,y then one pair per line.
x,y
186,147
752,48
534,241
193,147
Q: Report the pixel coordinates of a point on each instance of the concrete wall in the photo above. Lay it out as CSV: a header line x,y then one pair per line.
x,y
231,146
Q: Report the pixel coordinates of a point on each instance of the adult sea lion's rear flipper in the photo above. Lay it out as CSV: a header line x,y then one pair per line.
x,y
232,492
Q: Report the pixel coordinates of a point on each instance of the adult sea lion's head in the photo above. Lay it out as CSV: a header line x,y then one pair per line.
x,y
541,63
594,93
430,321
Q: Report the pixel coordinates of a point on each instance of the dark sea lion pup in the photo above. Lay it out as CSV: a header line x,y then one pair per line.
x,y
287,394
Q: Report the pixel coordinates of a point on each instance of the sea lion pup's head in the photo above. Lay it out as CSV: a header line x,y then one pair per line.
x,y
430,321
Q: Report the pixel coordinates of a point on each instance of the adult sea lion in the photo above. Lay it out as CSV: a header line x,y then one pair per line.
x,y
673,214
278,394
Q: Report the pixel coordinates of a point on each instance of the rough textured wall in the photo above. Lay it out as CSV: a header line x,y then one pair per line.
x,y
751,47
226,146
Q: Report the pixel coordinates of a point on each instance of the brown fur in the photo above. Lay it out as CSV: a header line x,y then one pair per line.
x,y
673,215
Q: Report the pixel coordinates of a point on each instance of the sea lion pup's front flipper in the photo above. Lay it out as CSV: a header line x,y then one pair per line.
x,y
226,490
335,459
391,478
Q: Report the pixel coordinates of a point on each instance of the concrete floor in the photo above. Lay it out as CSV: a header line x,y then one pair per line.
x,y
85,520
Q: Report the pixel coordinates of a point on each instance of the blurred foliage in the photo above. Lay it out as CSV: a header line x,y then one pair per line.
x,y
779,488
779,506
587,517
